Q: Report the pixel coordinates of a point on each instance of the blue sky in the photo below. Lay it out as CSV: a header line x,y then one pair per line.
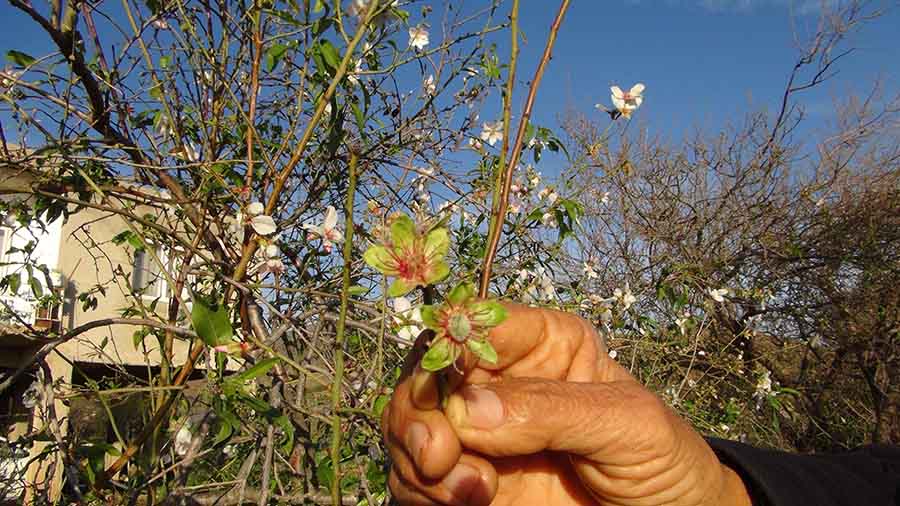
x,y
704,62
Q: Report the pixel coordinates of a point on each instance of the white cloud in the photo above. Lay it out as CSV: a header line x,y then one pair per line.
x,y
800,7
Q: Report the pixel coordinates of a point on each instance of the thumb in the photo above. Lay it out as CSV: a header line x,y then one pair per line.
x,y
600,422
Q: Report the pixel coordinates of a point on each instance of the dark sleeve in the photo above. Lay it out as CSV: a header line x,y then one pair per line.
x,y
869,476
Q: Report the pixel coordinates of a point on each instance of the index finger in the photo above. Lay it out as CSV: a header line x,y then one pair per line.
x,y
543,343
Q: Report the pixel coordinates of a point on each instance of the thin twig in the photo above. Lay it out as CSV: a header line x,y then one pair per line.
x,y
500,217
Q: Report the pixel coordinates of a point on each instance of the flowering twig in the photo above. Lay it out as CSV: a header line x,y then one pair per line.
x,y
500,210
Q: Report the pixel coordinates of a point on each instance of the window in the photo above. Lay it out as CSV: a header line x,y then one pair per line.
x,y
147,277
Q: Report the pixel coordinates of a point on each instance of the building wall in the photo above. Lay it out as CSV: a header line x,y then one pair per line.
x,y
88,257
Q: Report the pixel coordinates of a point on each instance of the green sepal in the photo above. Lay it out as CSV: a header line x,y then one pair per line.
x,y
437,243
429,317
400,287
483,350
380,259
439,355
437,272
461,293
488,313
403,233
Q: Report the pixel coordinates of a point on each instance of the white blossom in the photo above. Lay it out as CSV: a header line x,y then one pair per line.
x,y
328,231
624,297
429,85
418,37
588,269
719,294
549,220
160,24
492,132
410,319
183,440
627,102
613,354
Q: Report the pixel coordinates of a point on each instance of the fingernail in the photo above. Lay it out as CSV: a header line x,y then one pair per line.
x,y
465,484
483,408
417,436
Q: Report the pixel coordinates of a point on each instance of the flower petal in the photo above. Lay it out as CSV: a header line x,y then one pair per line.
x,y
330,218
402,305
263,224
381,259
255,208
618,103
637,89
616,92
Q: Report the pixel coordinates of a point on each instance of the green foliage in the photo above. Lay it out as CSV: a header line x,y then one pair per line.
x,y
211,321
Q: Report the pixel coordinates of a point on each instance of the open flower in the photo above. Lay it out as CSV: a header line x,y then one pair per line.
x,y
327,231
719,294
415,257
491,132
409,318
183,440
429,85
589,270
273,261
626,102
262,224
418,37
462,320
624,297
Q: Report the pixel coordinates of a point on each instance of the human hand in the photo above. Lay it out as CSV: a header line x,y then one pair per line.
x,y
555,421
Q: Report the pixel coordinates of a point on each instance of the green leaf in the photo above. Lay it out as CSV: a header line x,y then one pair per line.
x,y
483,350
330,54
165,61
211,322
19,58
14,281
257,370
439,356
381,259
488,313
36,287
357,290
138,337
381,402
403,233
461,293
274,55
